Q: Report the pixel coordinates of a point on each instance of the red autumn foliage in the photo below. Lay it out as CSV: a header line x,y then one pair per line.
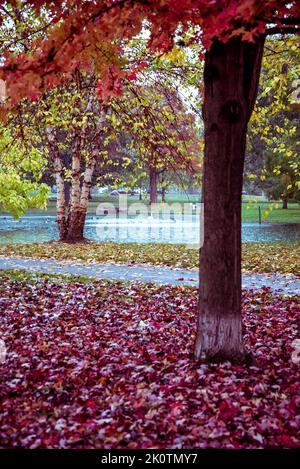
x,y
77,28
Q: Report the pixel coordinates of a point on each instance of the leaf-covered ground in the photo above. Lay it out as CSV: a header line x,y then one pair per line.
x,y
257,257
99,365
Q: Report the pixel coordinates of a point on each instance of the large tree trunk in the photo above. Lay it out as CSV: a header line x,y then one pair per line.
x,y
231,81
153,185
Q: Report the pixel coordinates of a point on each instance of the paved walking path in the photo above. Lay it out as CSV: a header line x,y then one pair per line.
x,y
286,284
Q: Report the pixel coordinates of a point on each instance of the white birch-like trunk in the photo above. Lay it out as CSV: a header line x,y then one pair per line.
x,y
87,183
61,200
80,192
74,231
60,184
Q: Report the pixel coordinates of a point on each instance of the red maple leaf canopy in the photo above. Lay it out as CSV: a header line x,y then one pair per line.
x,y
78,31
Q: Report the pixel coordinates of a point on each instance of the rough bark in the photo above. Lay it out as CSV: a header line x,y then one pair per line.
x,y
231,81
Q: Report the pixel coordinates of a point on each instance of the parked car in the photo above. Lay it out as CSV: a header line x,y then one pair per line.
x,y
159,191
101,190
116,192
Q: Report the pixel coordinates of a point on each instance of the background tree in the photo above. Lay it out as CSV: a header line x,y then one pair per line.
x,y
67,124
273,161
162,135
20,174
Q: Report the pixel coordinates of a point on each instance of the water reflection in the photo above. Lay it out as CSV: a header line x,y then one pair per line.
x,y
33,229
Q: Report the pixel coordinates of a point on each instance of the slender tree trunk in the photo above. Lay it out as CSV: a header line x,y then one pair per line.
x,y
60,184
153,185
284,202
231,81
163,188
75,229
61,200
67,192
86,188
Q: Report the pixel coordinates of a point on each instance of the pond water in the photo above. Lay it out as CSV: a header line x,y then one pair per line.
x,y
42,228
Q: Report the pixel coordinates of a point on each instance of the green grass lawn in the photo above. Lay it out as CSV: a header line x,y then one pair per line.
x,y
271,212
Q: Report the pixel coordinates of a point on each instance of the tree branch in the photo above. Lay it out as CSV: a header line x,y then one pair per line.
x,y
282,30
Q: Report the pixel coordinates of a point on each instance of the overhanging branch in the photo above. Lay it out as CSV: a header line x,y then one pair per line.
x,y
282,30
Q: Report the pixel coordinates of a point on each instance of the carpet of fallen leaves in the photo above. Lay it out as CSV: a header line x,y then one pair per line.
x,y
257,257
102,365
